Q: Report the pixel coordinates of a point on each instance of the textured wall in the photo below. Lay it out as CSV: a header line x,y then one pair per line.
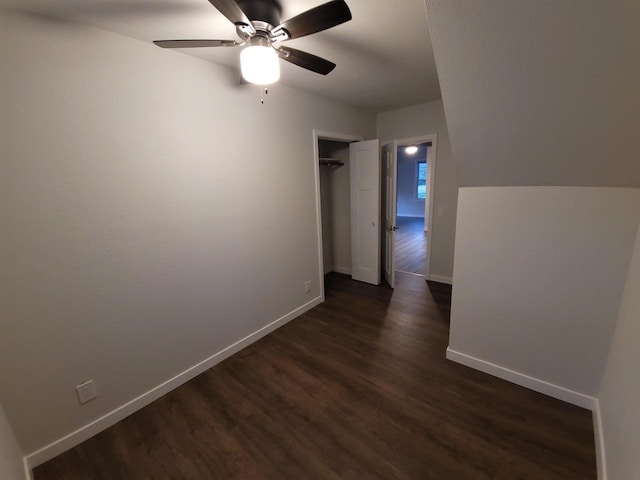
x,y
539,276
11,467
540,92
620,393
153,213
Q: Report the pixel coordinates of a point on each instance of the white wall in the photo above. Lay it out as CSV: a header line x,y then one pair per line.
x,y
424,119
153,213
11,466
326,201
336,208
327,229
620,392
538,92
538,278
409,205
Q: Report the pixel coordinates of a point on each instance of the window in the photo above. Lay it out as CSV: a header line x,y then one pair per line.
x,y
422,180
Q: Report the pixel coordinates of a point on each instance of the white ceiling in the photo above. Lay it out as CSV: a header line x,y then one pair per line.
x,y
384,55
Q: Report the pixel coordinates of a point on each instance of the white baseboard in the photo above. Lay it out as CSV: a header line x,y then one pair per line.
x,y
63,444
344,270
555,391
410,273
601,461
441,279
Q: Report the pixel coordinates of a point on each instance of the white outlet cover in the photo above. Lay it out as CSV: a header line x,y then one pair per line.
x,y
86,391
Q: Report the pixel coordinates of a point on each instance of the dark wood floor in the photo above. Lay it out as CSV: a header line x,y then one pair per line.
x,y
411,245
356,388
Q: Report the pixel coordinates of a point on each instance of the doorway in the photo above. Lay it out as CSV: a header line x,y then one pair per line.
x,y
408,217
412,208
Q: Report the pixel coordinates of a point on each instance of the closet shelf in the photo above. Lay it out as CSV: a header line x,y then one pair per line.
x,y
332,162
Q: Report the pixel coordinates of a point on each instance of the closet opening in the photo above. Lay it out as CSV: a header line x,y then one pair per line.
x,y
333,202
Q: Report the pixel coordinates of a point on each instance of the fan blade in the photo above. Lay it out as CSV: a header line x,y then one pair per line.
x,y
317,19
233,12
306,60
195,43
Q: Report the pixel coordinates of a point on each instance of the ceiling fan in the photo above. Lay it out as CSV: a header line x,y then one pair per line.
x,y
258,25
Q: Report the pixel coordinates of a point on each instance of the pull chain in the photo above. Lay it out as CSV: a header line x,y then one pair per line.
x,y
263,91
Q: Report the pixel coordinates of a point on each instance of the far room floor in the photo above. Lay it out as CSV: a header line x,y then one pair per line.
x,y
411,245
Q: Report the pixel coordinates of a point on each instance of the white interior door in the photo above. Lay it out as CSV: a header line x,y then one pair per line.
x,y
389,174
364,161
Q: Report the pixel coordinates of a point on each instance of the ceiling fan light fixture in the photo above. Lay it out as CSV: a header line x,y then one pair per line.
x,y
411,150
259,63
259,26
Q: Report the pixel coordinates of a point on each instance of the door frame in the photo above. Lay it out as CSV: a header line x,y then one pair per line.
x,y
431,172
336,137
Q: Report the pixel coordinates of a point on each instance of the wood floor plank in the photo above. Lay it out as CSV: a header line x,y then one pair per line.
x,y
411,245
358,387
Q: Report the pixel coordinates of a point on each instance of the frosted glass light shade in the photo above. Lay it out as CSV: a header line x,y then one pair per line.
x,y
411,150
259,65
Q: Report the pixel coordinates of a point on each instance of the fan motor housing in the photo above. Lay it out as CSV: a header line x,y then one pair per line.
x,y
267,11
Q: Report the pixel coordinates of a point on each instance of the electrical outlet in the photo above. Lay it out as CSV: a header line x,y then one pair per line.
x,y
441,211
307,286
86,391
